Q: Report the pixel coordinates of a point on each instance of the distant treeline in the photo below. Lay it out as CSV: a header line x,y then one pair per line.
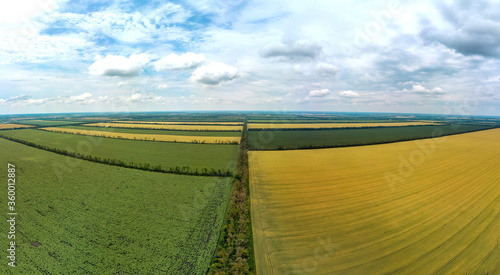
x,y
343,128
190,123
184,170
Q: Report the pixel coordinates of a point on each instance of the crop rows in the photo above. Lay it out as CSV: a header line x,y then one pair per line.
x,y
426,206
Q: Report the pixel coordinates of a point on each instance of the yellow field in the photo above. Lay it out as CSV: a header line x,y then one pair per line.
x,y
419,207
13,126
180,122
332,125
169,127
176,138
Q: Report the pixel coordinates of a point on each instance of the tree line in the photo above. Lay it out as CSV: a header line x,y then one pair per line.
x,y
184,170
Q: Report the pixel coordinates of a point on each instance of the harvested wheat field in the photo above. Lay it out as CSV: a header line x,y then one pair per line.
x,y
169,126
419,207
333,125
173,138
6,126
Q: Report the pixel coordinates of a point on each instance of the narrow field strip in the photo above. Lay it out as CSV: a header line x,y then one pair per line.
x,y
7,126
336,211
333,125
149,137
169,127
180,122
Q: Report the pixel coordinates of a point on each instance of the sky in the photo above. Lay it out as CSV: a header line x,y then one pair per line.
x,y
439,57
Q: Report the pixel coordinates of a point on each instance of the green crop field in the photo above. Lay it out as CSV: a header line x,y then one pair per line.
x,y
293,139
157,132
79,217
166,154
47,123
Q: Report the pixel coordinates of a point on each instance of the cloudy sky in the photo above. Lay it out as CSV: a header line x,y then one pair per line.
x,y
276,55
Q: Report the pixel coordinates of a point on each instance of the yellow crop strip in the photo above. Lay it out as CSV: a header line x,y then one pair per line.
x,y
13,126
174,138
169,127
180,122
416,207
333,125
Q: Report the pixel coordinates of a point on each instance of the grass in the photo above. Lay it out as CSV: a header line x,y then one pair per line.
x,y
169,127
296,139
157,132
136,136
427,206
332,125
166,154
79,217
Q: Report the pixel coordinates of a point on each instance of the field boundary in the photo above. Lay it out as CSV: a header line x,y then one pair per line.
x,y
184,170
307,147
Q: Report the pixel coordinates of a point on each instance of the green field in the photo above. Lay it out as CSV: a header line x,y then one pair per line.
x,y
166,154
79,217
47,123
157,132
296,139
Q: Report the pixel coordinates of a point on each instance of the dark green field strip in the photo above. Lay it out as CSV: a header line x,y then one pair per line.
x,y
305,139
47,123
132,152
79,217
157,132
285,121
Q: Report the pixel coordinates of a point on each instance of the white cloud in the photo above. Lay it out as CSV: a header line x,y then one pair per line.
x,y
419,89
81,97
319,93
215,73
122,83
292,50
349,94
115,65
183,61
162,87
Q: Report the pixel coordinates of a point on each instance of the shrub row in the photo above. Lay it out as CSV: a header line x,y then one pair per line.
x,y
184,170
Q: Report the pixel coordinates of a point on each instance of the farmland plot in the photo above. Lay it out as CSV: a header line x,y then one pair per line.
x,y
156,132
13,126
137,136
333,125
418,207
79,217
170,126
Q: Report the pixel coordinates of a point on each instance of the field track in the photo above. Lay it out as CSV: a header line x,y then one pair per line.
x,y
170,126
332,125
418,207
189,139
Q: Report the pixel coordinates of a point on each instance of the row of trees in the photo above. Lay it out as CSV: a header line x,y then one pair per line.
x,y
234,254
184,170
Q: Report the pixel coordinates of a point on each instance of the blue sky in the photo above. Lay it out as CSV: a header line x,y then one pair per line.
x,y
354,56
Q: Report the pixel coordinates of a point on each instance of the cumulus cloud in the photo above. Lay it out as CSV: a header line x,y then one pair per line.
x,y
116,65
349,94
162,87
215,73
292,50
122,83
175,62
319,93
81,97
419,89
475,29
143,98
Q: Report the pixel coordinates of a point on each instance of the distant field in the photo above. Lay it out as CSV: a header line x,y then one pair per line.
x,y
156,132
79,217
195,156
314,120
12,126
293,139
418,207
332,125
169,127
181,122
46,122
150,137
